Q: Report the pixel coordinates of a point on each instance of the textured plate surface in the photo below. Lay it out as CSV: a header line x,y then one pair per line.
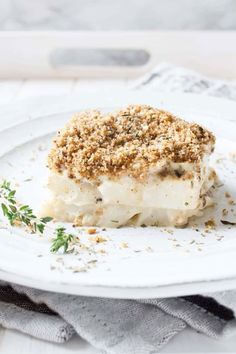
x,y
155,261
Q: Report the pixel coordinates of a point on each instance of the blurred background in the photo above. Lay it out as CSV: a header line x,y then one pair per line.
x,y
117,15
51,47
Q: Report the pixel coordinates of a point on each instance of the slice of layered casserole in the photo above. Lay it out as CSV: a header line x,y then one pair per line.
x,y
136,166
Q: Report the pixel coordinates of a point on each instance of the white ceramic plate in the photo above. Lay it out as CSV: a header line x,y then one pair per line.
x,y
157,262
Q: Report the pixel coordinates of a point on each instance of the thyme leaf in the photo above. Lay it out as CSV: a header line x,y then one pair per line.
x,y
62,240
20,214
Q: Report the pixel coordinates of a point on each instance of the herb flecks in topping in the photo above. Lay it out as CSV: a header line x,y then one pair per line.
x,y
18,214
130,140
226,222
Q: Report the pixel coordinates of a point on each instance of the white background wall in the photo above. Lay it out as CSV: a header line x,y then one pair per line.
x,y
117,14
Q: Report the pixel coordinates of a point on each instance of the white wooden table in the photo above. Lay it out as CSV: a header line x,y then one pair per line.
x,y
12,342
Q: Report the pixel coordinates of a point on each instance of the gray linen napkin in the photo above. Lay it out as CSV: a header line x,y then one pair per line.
x,y
115,326
125,326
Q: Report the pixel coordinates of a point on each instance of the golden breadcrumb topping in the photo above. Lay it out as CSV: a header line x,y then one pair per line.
x,y
131,140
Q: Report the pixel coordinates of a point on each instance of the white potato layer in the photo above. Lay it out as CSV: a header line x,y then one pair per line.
x,y
125,201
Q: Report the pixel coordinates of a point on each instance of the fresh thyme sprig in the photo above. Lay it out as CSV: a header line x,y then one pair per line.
x,y
20,214
62,240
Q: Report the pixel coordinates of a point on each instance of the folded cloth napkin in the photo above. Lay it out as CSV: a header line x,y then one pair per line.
x,y
125,326
115,326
